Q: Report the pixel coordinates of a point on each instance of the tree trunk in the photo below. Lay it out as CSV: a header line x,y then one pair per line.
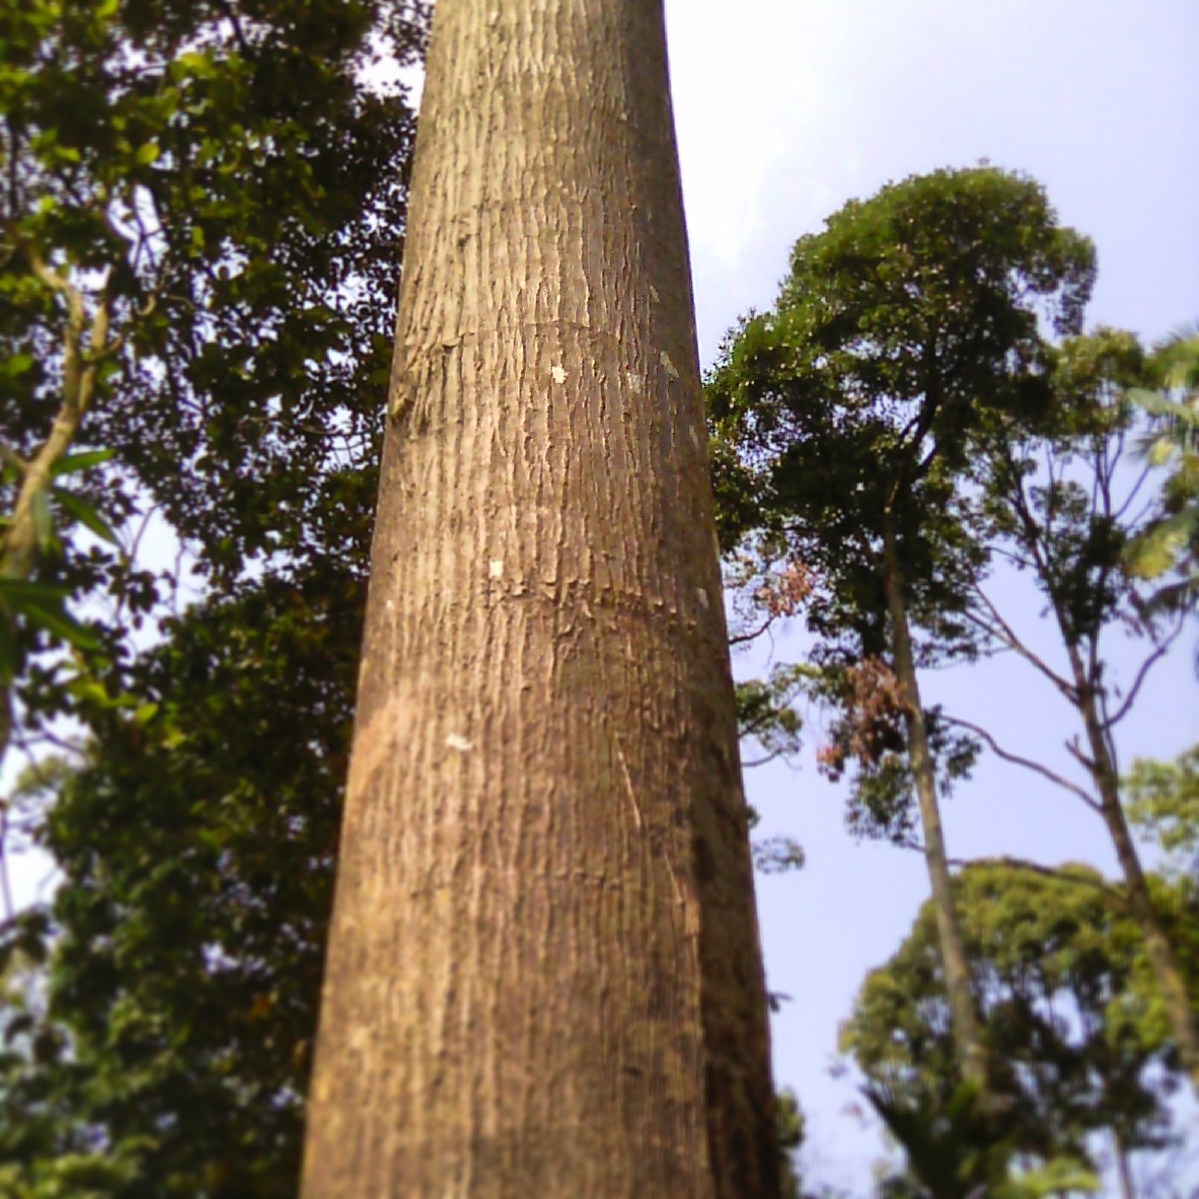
x,y
1177,1003
1123,1167
543,975
971,1054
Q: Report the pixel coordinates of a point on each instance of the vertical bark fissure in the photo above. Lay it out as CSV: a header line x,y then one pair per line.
x,y
543,975
967,1037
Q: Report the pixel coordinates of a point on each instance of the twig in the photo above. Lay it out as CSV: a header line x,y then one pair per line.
x,y
1004,633
1151,660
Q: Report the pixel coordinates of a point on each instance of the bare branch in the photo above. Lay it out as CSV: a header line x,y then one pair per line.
x,y
1151,660
778,753
999,628
1028,763
1086,763
743,638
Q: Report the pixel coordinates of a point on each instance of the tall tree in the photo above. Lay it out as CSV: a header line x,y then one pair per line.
x,y
850,413
543,972
1057,505
170,1047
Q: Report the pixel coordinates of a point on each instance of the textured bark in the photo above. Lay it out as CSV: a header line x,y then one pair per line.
x,y
544,976
966,1034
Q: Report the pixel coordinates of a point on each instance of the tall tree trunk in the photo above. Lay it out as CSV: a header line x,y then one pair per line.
x,y
1177,1003
543,975
971,1054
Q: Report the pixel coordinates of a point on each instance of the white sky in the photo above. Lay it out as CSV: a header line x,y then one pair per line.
x,y
785,110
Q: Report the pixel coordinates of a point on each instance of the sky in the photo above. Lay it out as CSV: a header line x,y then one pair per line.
x,y
786,109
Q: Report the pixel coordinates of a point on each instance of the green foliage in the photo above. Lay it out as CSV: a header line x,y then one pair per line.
x,y
1053,501
1067,1014
202,211
901,330
907,332
1164,803
1170,542
186,940
791,1138
202,208
766,714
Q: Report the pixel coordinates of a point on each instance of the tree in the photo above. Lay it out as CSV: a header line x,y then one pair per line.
x,y
196,198
1163,800
848,418
1171,539
1074,1045
216,187
1056,506
184,946
543,972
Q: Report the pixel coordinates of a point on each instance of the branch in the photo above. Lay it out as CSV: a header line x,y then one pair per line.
x,y
1056,873
1150,661
1004,632
778,753
1028,763
742,638
1053,872
1086,763
10,457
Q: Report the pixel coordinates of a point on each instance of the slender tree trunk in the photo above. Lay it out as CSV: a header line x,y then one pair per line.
x,y
543,976
1123,1168
1179,1011
967,1037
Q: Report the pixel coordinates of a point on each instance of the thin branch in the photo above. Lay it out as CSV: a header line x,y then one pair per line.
x,y
1053,872
1028,763
1002,631
1086,763
1056,873
778,753
1132,495
1150,661
10,457
742,638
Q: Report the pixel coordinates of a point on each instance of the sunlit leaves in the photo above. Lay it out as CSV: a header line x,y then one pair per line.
x,y
1072,1039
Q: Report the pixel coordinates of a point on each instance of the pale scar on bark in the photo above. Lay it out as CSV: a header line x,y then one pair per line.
x,y
376,742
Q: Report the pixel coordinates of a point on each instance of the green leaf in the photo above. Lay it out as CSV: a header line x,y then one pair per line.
x,y
1160,451
43,520
71,463
146,154
85,513
42,606
16,592
10,655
